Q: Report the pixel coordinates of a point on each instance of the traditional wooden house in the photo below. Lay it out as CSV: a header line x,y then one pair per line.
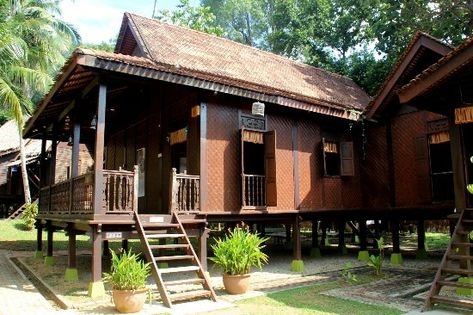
x,y
446,88
407,166
189,128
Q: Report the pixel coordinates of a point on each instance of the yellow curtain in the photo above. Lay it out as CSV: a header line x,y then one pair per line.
x,y
439,137
178,136
330,147
463,115
252,136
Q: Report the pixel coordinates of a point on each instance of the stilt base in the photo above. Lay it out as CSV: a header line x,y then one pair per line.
x,y
49,260
421,254
72,274
315,253
396,259
96,289
465,291
363,255
297,266
342,251
38,254
163,265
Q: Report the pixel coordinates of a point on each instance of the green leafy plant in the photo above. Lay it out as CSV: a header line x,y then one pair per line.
x,y
376,261
29,216
347,274
128,272
239,251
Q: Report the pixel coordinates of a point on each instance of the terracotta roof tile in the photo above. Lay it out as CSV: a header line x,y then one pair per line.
x,y
198,52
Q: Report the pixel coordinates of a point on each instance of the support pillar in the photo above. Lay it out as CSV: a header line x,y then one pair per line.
x,y
125,245
342,250
297,264
49,259
421,251
396,256
96,287
363,254
203,236
106,248
39,240
315,250
72,273
324,239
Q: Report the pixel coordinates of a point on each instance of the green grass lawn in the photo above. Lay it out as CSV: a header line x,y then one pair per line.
x,y
306,300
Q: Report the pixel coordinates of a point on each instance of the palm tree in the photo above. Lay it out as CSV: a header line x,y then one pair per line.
x,y
33,43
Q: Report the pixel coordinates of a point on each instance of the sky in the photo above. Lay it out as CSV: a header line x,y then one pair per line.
x,y
99,20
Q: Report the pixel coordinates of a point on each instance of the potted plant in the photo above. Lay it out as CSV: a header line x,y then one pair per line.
x,y
236,254
128,279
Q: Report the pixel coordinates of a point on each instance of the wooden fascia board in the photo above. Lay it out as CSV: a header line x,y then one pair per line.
x,y
423,41
59,83
420,87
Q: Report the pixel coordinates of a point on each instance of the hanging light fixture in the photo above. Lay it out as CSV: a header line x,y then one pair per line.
x,y
93,123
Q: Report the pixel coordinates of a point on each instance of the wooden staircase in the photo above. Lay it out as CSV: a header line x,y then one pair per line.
x,y
456,262
178,253
18,212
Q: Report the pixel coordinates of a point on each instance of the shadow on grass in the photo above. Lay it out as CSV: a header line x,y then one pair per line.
x,y
309,299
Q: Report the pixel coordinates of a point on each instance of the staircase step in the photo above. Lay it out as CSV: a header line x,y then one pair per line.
x,y
185,281
457,271
190,295
163,235
175,257
463,232
459,244
160,225
456,284
193,221
451,300
179,269
470,221
460,257
169,246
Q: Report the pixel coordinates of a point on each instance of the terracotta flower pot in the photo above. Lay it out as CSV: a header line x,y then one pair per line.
x,y
236,284
129,301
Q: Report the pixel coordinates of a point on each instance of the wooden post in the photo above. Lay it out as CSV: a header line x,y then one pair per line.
x,y
136,171
297,264
39,239
75,150
125,245
203,236
315,234
52,167
288,233
72,273
458,166
99,149
421,252
49,260
203,157
173,187
96,253
363,234
395,234
341,238
42,169
106,248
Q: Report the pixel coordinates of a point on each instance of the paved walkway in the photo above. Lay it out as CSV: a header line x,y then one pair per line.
x,y
17,294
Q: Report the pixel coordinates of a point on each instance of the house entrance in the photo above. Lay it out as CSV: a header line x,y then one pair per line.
x,y
441,167
467,132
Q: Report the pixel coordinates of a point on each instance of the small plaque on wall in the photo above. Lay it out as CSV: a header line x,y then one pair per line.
x,y
252,122
463,115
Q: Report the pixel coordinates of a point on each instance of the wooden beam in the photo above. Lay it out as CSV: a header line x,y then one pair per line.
x,y
71,259
66,110
203,236
39,236
203,158
341,237
363,234
296,235
96,253
458,166
99,149
420,235
42,159
315,234
395,234
295,157
90,87
75,150
50,233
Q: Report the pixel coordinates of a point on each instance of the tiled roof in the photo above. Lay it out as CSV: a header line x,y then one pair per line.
x,y
243,66
458,50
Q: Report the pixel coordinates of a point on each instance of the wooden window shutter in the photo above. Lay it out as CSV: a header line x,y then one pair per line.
x,y
347,165
270,167
422,169
324,157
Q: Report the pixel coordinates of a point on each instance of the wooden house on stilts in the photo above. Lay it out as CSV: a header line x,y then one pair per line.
x,y
189,129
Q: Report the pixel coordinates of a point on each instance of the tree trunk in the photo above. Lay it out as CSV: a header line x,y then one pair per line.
x,y
24,173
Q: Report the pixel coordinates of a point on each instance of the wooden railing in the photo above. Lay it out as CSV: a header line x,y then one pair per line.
x,y
253,191
184,193
75,196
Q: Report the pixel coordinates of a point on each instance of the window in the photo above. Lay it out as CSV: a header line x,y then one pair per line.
x,y
441,166
338,158
258,168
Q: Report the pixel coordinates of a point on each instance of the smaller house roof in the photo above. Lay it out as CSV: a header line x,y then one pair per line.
x,y
455,61
421,52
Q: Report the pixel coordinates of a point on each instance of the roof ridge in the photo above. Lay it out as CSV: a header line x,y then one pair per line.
x,y
287,59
